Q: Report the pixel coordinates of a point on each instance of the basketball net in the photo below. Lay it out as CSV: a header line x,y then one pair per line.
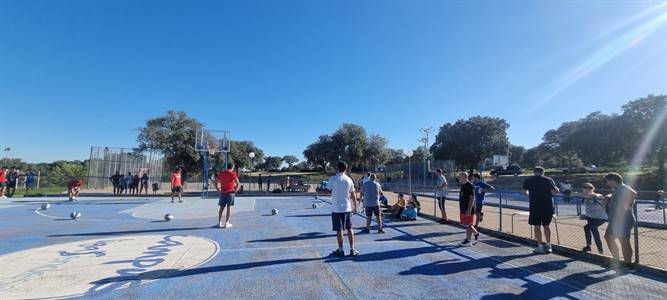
x,y
212,149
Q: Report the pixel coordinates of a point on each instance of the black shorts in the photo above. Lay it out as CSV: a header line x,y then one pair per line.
x,y
478,208
340,221
620,228
370,210
11,184
226,199
176,189
540,217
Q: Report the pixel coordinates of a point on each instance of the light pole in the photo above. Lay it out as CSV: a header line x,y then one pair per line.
x,y
409,154
426,132
252,164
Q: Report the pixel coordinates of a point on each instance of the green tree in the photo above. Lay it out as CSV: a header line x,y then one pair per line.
x,y
517,154
61,172
469,142
272,163
290,160
321,153
174,134
349,142
239,154
647,119
376,153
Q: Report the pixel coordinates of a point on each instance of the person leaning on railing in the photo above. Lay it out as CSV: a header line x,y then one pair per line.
x,y
595,214
620,204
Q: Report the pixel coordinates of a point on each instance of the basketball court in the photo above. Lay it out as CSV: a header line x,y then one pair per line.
x,y
122,248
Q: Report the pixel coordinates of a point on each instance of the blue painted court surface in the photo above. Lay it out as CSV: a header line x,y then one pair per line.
x,y
122,249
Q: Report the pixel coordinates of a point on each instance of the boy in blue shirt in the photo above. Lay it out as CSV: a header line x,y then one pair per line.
x,y
481,188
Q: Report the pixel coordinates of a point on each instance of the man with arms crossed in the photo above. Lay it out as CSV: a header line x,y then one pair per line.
x,y
229,186
343,203
370,192
540,190
441,194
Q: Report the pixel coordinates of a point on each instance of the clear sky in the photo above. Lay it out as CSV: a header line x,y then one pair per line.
x,y
280,73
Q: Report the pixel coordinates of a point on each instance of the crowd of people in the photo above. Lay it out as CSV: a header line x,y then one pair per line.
x,y
615,209
129,184
9,181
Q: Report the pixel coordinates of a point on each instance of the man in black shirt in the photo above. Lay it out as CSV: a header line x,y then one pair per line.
x,y
467,208
540,190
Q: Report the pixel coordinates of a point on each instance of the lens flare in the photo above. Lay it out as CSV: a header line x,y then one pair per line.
x,y
600,57
644,148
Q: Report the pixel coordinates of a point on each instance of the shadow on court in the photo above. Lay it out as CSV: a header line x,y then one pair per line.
x,y
300,237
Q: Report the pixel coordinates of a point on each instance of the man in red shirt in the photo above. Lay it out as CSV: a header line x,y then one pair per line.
x,y
176,186
73,188
3,181
228,186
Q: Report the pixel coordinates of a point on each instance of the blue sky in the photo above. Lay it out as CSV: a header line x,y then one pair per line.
x,y
280,73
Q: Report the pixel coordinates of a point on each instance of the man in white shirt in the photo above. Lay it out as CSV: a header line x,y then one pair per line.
x,y
343,202
441,194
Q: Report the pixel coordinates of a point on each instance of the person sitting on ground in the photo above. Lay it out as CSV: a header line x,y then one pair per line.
x,y
595,213
383,200
411,210
73,189
398,208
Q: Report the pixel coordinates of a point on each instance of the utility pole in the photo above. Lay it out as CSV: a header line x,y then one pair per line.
x,y
426,135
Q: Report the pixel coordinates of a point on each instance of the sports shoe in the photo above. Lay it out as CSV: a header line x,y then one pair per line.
x,y
338,252
624,267
180,201
365,230
228,225
380,230
172,201
465,243
548,249
219,225
476,237
586,249
354,252
539,250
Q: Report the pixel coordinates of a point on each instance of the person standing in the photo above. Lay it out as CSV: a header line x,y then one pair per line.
x,y
268,184
229,186
116,183
467,208
659,199
135,183
481,188
12,181
176,187
343,201
259,182
3,181
29,180
621,219
144,183
540,190
371,191
441,194
128,181
595,214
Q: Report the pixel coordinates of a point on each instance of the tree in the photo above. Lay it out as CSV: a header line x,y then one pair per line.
x,y
516,154
531,158
376,153
321,153
61,172
272,163
173,134
349,142
290,160
238,154
396,156
469,142
647,118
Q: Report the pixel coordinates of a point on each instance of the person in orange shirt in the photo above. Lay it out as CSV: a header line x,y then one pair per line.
x,y
228,186
73,189
176,186
3,181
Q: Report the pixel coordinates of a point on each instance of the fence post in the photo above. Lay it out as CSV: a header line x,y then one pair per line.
x,y
435,203
634,212
500,206
664,217
555,200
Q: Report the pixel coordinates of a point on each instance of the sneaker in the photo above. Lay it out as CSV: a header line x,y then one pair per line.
x,y
624,267
172,201
365,230
180,201
476,237
586,249
442,221
219,225
380,230
354,252
228,225
539,250
465,243
548,249
338,252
